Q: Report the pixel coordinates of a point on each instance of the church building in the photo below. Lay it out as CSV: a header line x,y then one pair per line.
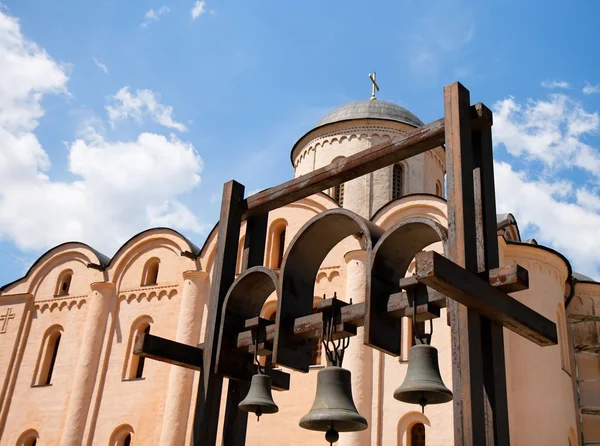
x,y
68,375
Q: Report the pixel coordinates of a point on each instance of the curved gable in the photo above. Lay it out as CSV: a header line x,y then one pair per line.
x,y
167,245
82,258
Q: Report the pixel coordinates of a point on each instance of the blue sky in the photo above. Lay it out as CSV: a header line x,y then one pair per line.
x,y
117,116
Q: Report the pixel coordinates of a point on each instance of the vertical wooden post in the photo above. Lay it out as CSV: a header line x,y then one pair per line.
x,y
469,415
488,258
211,385
236,421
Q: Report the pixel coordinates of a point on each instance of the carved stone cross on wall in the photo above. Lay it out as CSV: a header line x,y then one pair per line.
x,y
4,319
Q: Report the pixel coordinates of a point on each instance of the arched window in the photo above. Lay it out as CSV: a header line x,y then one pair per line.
x,y
150,275
338,191
438,189
414,338
338,194
134,365
277,243
316,347
28,438
240,256
417,434
47,356
63,283
122,436
397,181
281,248
563,339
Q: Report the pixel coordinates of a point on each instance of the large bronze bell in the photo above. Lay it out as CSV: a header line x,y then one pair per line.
x,y
333,409
259,399
423,383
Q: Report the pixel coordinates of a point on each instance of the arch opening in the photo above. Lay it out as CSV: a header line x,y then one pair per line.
x,y
392,257
300,267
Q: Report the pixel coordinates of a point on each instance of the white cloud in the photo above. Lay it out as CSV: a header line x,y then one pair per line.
x,y
572,228
120,187
153,15
555,84
552,131
198,9
100,65
139,105
558,210
590,89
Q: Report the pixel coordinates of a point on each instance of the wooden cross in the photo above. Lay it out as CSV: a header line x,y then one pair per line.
x,y
4,318
470,280
373,76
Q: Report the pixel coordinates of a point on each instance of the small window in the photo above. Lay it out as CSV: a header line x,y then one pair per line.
x,y
316,348
64,283
276,249
150,275
563,339
438,189
122,436
281,248
240,257
397,181
135,364
417,435
48,355
28,438
414,338
338,194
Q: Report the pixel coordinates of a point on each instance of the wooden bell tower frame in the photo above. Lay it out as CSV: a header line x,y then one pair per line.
x,y
467,280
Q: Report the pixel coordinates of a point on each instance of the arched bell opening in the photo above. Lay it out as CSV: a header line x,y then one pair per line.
x,y
392,256
244,300
301,263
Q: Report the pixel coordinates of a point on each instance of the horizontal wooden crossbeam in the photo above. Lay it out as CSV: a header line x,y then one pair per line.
x,y
510,277
465,287
165,350
416,141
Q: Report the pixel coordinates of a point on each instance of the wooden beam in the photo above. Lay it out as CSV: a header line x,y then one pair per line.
x,y
165,350
211,385
436,271
235,422
512,277
492,335
470,423
366,161
509,279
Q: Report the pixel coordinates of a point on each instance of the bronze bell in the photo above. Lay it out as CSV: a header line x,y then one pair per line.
x,y
333,410
423,383
259,399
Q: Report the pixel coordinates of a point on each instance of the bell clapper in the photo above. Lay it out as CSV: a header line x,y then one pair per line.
x,y
423,403
331,436
258,413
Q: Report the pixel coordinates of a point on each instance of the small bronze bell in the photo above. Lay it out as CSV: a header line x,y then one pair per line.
x,y
259,399
333,409
423,383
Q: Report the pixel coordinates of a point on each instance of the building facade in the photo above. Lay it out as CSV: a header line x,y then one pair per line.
x,y
68,375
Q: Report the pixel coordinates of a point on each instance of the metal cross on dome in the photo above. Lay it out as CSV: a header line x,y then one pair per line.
x,y
373,77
